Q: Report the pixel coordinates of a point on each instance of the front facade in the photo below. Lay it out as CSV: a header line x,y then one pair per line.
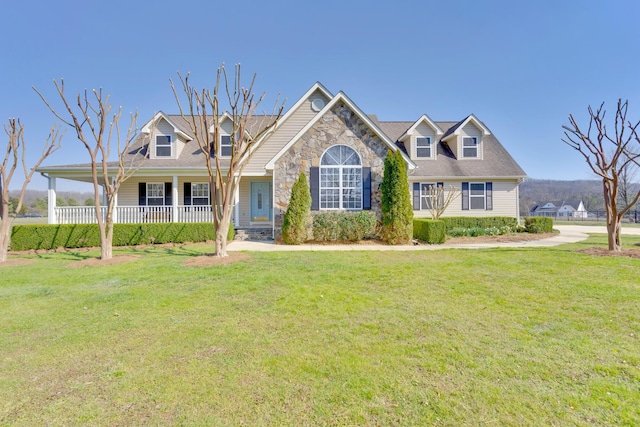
x,y
328,138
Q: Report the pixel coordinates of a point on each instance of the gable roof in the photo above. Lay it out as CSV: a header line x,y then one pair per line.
x,y
455,130
496,161
341,96
160,115
423,119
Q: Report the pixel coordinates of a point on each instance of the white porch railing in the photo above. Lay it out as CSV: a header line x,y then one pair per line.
x,y
134,214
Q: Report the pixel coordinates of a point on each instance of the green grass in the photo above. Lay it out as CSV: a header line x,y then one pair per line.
x,y
451,337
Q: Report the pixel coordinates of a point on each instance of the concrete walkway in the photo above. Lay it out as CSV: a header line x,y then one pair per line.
x,y
568,234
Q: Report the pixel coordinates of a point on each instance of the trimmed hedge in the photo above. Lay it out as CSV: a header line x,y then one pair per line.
x,y
538,224
344,226
52,236
452,222
429,230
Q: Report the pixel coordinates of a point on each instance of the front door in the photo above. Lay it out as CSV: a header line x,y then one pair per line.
x,y
261,201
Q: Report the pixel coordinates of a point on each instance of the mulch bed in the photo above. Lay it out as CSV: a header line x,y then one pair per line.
x,y
625,252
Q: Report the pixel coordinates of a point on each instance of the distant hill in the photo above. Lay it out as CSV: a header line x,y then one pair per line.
x,y
534,191
36,200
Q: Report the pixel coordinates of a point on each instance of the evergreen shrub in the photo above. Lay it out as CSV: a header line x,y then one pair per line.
x,y
429,230
344,226
538,224
397,209
52,236
297,218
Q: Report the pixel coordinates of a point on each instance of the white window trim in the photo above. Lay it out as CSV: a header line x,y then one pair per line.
x,y
431,147
225,145
161,184
208,193
484,196
340,187
477,146
155,151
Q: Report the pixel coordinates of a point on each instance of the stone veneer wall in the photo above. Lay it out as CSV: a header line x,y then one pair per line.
x,y
340,126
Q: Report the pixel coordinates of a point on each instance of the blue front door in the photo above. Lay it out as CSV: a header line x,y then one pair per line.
x,y
261,201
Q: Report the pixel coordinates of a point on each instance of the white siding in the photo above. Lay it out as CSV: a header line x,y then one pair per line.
x,y
285,132
505,200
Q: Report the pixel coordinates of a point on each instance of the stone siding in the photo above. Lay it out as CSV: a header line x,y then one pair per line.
x,y
340,126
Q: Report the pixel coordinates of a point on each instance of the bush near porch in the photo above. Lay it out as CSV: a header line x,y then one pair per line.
x,y
429,230
52,236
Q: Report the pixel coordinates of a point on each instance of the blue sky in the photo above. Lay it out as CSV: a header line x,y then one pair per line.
x,y
520,67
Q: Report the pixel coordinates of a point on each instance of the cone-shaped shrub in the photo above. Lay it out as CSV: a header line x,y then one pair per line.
x,y
397,211
297,218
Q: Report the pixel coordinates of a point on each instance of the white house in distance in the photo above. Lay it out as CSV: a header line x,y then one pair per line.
x,y
560,209
330,139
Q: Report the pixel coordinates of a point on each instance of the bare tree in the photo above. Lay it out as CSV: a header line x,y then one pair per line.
x,y
609,155
15,154
202,112
627,184
437,201
99,133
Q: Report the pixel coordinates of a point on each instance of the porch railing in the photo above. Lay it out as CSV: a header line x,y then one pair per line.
x,y
134,214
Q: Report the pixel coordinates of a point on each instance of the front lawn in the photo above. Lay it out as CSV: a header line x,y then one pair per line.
x,y
506,336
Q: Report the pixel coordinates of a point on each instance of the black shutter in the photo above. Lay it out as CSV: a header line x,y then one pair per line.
x,y
465,196
416,196
366,188
142,194
187,193
314,184
167,194
489,188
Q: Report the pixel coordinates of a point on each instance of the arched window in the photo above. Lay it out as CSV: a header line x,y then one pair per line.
x,y
340,179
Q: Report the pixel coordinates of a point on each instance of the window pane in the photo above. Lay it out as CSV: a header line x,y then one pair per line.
x,y
163,146
340,155
476,202
476,189
423,152
155,194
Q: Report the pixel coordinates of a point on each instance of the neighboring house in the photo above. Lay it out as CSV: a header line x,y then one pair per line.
x,y
560,209
329,138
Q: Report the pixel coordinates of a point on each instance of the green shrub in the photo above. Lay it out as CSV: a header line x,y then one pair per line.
x,y
479,222
297,218
429,230
52,236
343,226
397,210
538,224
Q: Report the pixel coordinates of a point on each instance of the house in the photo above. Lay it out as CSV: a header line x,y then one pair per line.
x,y
329,138
560,209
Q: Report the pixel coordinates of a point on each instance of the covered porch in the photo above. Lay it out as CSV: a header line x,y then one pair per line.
x,y
165,199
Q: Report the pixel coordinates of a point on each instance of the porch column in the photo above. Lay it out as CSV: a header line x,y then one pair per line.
x,y
51,201
174,199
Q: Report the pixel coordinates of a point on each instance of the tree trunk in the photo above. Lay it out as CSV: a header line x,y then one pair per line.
x,y
222,231
613,232
5,236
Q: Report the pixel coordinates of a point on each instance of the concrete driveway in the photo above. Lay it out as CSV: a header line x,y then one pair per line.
x,y
568,234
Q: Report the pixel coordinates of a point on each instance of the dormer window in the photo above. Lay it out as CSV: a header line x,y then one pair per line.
x,y
470,147
225,146
163,145
423,147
